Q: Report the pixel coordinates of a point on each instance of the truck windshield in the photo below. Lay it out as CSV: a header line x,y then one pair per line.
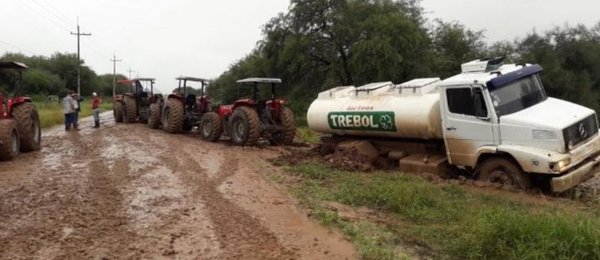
x,y
518,95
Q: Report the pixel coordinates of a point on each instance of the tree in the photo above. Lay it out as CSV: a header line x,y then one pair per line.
x,y
42,82
454,44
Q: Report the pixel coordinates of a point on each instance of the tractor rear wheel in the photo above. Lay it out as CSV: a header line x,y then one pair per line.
x,y
211,127
28,124
172,116
9,139
154,119
245,128
118,111
288,128
130,109
503,171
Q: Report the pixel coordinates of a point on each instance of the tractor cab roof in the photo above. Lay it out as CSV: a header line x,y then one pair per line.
x,y
192,79
125,81
144,79
13,65
260,80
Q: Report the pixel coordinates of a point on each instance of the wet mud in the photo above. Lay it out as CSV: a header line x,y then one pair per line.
x,y
126,191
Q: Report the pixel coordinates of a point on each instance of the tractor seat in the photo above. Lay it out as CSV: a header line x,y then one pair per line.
x,y
144,94
190,100
261,106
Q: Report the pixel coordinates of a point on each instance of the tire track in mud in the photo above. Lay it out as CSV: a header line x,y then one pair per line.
x,y
240,234
73,205
126,191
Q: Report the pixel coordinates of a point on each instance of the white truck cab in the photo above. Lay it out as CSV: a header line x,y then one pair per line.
x,y
498,120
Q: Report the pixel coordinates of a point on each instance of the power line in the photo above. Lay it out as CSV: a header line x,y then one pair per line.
x,y
52,11
57,11
79,34
16,47
41,14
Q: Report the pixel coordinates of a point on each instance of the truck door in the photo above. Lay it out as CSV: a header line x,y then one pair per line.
x,y
466,123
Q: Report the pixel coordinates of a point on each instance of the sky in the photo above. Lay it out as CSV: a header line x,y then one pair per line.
x,y
510,19
202,38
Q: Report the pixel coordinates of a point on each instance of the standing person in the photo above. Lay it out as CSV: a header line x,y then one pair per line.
x,y
69,110
96,109
77,100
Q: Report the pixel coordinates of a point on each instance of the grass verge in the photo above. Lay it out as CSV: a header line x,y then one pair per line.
x,y
442,220
52,114
307,135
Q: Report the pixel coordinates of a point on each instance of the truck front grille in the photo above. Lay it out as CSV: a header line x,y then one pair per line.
x,y
580,131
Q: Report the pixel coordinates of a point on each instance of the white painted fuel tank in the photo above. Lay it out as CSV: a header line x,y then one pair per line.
x,y
408,110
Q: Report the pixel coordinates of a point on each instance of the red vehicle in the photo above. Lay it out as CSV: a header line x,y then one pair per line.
x,y
183,109
19,120
135,104
249,119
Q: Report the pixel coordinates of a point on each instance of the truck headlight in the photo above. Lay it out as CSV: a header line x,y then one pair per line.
x,y
560,165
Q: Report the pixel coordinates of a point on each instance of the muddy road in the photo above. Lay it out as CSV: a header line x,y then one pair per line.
x,y
126,191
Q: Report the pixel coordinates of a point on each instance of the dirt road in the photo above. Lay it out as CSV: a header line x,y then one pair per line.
x,y
126,191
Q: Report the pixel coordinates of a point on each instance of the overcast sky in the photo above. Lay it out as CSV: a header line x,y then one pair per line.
x,y
201,38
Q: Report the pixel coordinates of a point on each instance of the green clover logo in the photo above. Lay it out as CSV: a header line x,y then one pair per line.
x,y
386,122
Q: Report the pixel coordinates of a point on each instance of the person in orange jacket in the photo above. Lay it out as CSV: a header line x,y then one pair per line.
x,y
96,109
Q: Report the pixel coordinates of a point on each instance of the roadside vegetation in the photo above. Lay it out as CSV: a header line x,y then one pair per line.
x,y
390,215
52,114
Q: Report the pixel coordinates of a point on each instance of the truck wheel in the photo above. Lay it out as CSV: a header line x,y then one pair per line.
x,y
172,116
245,129
211,127
118,111
154,119
9,139
503,171
28,124
288,128
130,109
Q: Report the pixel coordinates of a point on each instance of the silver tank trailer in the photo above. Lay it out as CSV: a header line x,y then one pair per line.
x,y
408,110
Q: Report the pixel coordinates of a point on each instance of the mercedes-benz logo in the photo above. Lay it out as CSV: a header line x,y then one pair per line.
x,y
582,131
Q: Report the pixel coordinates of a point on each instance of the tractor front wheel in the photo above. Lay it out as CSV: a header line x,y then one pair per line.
x,y
211,127
245,128
288,128
130,109
28,124
118,111
172,116
154,119
9,139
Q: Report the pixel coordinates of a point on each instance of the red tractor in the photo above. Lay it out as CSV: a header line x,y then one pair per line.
x,y
249,119
19,120
183,109
135,104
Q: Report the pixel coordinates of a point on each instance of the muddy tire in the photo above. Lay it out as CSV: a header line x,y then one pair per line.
x,y
245,128
154,119
288,128
211,127
118,111
172,116
503,171
9,139
129,111
28,125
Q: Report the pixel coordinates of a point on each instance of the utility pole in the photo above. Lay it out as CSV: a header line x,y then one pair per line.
x,y
129,70
79,34
114,61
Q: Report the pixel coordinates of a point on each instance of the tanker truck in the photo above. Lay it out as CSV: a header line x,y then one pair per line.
x,y
493,121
